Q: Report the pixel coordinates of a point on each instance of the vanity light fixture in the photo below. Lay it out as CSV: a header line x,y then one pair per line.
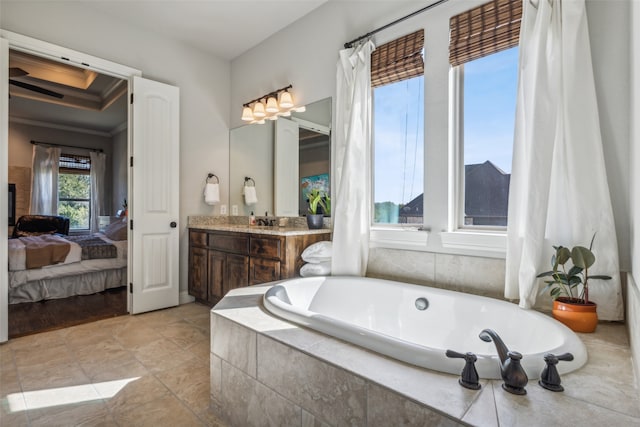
x,y
270,106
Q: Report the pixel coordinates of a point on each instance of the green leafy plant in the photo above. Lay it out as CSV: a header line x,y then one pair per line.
x,y
317,198
570,270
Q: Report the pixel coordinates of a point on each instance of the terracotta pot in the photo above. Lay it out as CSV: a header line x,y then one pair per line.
x,y
579,317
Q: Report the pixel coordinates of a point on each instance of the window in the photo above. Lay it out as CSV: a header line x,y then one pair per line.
x,y
397,78
74,190
483,50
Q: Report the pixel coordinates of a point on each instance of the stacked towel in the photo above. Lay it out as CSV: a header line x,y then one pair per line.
x,y
212,193
318,259
250,197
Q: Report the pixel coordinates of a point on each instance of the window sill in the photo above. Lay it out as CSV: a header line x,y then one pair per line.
x,y
409,238
478,241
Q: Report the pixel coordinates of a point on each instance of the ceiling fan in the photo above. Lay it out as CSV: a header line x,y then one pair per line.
x,y
19,72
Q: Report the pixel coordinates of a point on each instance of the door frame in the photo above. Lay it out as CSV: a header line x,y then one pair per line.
x,y
60,54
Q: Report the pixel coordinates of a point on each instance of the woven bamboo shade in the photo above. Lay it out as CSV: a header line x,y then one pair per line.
x,y
486,29
398,60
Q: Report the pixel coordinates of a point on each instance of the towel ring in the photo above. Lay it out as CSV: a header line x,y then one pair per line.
x,y
247,179
209,176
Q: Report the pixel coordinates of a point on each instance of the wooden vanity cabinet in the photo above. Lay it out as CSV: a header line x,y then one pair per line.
x,y
223,260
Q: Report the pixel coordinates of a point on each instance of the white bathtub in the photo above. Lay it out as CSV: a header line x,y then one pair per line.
x,y
382,316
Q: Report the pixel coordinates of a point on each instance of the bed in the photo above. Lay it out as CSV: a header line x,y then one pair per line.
x,y
54,266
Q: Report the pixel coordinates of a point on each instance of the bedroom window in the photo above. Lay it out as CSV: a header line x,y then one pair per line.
x,y
397,81
74,190
483,54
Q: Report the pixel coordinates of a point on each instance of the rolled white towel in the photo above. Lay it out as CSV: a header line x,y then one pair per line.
x,y
212,193
250,196
320,269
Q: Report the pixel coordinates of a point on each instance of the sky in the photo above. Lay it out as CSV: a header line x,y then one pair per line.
x,y
489,113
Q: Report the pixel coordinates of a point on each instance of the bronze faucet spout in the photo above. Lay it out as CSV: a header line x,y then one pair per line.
x,y
489,335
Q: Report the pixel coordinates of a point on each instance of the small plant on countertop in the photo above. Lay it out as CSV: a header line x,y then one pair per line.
x,y
319,199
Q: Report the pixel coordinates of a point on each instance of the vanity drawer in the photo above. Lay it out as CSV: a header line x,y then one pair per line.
x,y
266,247
198,238
234,242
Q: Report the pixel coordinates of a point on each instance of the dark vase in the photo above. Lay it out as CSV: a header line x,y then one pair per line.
x,y
314,221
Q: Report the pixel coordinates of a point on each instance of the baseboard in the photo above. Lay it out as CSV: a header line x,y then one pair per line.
x,y
185,298
633,322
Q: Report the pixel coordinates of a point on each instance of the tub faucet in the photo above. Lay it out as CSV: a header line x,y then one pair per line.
x,y
512,372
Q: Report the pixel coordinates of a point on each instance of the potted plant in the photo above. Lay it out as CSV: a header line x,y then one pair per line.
x,y
319,205
569,287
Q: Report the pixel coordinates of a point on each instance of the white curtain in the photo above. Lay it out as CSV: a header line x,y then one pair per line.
x,y
559,193
97,188
44,183
352,177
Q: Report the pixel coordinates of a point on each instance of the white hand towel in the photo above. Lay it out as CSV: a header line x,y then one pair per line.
x,y
211,193
250,197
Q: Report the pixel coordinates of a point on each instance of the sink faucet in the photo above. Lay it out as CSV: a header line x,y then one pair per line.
x,y
266,222
512,372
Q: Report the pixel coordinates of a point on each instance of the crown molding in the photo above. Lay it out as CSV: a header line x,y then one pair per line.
x,y
58,126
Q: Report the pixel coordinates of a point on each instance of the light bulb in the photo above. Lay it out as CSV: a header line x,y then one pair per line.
x,y
258,110
247,114
286,101
272,105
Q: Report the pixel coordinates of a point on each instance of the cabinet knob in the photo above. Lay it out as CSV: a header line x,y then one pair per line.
x,y
173,224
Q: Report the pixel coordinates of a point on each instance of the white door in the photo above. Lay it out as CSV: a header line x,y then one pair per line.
x,y
153,186
286,155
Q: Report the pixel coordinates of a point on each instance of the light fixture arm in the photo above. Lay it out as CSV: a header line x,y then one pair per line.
x,y
275,93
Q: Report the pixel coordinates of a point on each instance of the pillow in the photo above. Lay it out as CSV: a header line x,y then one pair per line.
x,y
116,231
319,269
317,252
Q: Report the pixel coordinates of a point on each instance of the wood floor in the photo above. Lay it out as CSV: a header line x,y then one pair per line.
x,y
34,317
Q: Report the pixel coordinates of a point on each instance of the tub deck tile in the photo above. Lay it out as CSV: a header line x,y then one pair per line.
x,y
483,411
331,393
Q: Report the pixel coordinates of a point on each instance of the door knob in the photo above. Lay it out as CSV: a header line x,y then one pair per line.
x,y
173,224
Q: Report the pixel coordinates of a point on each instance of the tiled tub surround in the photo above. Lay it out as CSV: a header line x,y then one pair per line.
x,y
265,371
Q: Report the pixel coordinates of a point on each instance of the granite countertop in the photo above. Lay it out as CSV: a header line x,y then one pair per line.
x,y
296,226
260,229
603,392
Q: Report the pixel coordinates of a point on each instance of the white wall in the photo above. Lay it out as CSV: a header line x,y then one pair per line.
x,y
633,287
305,54
203,81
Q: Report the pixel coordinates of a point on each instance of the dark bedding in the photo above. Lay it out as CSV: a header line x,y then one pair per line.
x,y
94,247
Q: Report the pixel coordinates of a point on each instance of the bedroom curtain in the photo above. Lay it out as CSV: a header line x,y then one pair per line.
x,y
44,183
559,193
352,176
98,164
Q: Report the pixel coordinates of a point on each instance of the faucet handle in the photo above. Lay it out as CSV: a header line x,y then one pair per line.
x,y
469,377
550,378
513,374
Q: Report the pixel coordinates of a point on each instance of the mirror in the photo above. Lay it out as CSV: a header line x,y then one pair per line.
x,y
283,157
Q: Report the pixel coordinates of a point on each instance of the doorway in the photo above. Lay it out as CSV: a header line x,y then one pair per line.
x,y
79,112
153,183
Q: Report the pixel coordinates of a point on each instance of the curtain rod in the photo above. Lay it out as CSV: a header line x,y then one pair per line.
x,y
391,24
51,144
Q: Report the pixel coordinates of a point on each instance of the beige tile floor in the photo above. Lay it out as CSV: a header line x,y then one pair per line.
x,y
145,370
